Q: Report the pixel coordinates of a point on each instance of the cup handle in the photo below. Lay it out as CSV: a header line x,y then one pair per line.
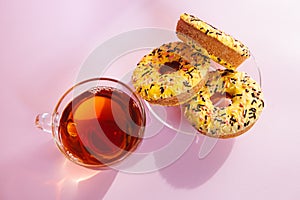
x,y
43,121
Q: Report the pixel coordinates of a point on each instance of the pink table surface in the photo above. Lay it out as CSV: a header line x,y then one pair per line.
x,y
44,43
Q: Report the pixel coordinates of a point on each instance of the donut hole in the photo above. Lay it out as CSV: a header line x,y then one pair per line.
x,y
169,67
221,100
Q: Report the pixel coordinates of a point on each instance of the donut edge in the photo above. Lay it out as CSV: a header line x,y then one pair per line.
x,y
227,136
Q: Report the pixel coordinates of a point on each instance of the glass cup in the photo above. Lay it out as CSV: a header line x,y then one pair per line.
x,y
96,123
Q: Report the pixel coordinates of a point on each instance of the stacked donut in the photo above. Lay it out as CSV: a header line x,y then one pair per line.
x,y
178,73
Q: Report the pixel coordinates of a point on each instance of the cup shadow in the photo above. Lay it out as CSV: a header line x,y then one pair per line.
x,y
44,173
190,171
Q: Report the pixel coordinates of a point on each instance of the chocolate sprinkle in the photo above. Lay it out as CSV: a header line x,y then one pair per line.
x,y
162,90
245,113
246,124
186,84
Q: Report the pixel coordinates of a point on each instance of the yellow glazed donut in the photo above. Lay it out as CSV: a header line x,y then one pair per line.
x,y
222,47
171,74
225,122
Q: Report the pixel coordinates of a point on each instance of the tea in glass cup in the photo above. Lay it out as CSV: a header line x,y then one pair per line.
x,y
96,123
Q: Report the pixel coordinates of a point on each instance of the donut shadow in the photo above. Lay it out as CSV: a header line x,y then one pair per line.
x,y
44,173
190,171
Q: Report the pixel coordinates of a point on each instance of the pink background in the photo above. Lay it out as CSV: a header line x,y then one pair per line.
x,y
43,44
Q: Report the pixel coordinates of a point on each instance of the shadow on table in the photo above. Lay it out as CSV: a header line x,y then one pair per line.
x,y
44,173
190,171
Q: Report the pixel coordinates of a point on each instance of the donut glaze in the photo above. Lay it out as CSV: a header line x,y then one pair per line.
x,y
225,122
171,74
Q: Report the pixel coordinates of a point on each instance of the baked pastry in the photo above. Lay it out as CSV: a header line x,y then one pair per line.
x,y
225,122
223,48
171,74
